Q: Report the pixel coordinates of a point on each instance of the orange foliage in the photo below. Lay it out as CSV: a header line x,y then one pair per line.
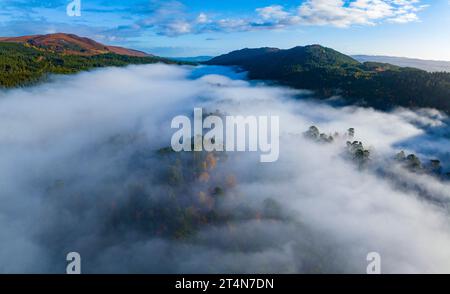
x,y
204,177
211,161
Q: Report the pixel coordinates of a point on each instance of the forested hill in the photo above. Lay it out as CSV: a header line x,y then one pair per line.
x,y
26,61
70,44
329,73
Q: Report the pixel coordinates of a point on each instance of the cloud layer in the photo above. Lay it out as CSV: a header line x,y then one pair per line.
x,y
80,171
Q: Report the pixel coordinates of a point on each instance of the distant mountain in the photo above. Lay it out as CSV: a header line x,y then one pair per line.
x,y
329,73
243,56
192,59
290,65
428,65
30,59
70,44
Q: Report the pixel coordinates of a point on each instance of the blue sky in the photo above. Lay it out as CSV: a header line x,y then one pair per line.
x,y
411,28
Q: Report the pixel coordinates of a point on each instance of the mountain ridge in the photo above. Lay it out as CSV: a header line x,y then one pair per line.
x,y
330,73
424,64
28,60
71,44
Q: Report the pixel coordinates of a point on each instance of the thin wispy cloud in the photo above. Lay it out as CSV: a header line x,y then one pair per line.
x,y
173,19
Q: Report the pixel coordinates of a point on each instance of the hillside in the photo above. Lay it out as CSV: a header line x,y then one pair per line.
x,y
70,44
24,62
330,73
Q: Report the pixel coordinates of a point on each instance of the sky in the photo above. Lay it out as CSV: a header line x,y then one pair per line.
x,y
407,28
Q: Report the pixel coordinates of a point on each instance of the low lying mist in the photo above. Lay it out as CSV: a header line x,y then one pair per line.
x,y
84,166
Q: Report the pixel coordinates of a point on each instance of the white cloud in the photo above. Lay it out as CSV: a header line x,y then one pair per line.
x,y
334,12
404,18
70,150
274,12
202,18
341,13
337,13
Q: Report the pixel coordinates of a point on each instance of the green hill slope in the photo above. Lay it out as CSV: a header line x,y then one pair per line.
x,y
22,65
329,73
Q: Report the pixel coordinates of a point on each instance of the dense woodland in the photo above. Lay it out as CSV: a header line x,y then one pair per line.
x,y
330,73
22,65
